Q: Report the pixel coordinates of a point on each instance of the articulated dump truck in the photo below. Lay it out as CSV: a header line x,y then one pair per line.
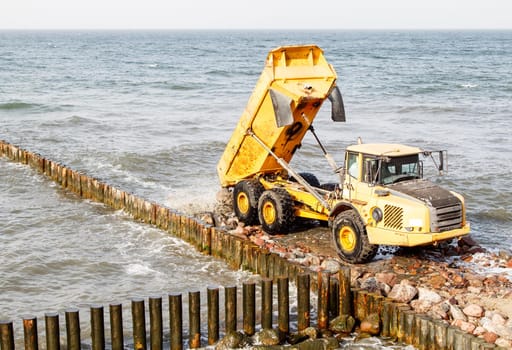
x,y
380,197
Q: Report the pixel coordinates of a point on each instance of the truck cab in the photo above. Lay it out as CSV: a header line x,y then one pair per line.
x,y
393,203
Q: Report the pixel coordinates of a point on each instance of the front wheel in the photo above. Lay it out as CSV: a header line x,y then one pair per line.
x,y
350,238
275,210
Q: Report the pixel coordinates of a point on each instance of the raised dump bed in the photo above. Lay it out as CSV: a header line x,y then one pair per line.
x,y
291,89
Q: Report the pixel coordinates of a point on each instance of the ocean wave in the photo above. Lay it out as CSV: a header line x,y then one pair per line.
x,y
17,105
497,215
32,107
219,73
74,120
468,86
175,86
137,269
78,120
428,109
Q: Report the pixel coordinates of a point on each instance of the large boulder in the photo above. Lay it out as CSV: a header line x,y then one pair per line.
x,y
342,324
403,292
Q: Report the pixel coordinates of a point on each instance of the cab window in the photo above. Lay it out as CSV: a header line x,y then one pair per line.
x,y
352,165
370,170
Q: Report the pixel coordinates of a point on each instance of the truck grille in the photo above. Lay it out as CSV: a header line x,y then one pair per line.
x,y
447,218
446,210
393,217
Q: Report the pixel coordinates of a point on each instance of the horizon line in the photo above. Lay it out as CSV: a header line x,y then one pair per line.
x,y
251,29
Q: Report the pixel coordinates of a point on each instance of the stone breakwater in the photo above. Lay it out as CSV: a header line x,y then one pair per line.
x,y
441,282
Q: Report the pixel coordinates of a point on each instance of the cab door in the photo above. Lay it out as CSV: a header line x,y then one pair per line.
x,y
361,172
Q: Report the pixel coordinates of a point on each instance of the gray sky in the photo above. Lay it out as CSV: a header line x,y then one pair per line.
x,y
255,14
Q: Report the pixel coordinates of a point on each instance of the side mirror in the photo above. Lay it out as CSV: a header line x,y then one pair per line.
x,y
337,108
440,159
443,161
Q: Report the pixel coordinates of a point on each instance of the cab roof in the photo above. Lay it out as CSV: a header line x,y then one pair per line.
x,y
384,149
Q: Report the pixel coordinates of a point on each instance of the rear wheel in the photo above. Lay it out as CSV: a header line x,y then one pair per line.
x,y
350,238
275,210
245,201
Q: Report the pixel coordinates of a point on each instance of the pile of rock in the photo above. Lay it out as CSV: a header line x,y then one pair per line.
x,y
467,301
429,281
443,282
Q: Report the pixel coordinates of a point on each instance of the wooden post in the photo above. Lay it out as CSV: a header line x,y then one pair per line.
x,y
334,297
417,331
303,301
176,321
139,324
155,323
450,337
401,323
213,315
51,320
30,333
377,301
230,307
283,306
116,326
487,346
431,340
440,334
459,340
97,327
323,300
345,304
386,318
360,304
194,316
266,303
206,239
424,332
409,326
249,307
468,339
477,343
6,335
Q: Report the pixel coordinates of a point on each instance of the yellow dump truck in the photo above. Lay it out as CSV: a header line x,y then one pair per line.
x,y
381,197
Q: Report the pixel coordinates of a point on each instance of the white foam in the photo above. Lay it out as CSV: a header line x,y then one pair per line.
x,y
469,86
139,270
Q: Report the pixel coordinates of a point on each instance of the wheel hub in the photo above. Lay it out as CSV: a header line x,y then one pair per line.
x,y
269,213
243,202
347,239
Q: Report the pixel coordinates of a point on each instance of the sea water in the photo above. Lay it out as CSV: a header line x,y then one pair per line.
x,y
150,112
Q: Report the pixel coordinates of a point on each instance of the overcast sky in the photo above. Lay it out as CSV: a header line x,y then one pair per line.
x,y
255,14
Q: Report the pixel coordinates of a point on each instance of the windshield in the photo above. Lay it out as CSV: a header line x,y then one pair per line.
x,y
399,169
389,170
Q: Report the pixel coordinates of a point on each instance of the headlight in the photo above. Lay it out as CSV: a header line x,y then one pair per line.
x,y
377,214
416,222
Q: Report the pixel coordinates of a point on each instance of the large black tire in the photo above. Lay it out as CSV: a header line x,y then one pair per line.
x,y
350,238
310,179
275,210
245,201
